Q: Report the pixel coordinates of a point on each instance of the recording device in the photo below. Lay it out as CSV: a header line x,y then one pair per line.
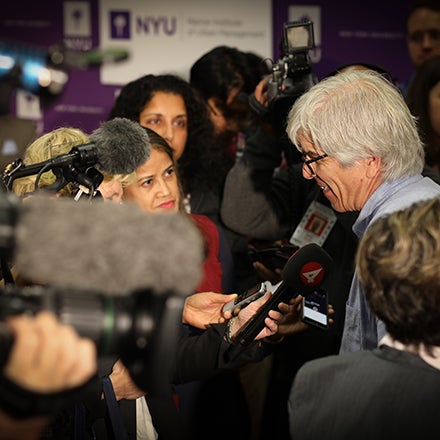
x,y
291,76
292,73
303,273
245,298
140,327
315,309
118,146
117,274
106,247
273,257
44,71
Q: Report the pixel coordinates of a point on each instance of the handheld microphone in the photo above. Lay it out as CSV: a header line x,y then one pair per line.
x,y
118,146
304,271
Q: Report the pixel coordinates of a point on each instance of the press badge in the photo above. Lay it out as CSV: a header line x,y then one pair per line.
x,y
315,226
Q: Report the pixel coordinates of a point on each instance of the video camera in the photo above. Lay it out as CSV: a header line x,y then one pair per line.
x,y
38,70
140,327
44,71
292,73
291,76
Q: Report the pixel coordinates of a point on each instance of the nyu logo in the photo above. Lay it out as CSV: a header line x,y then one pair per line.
x,y
156,25
76,19
120,25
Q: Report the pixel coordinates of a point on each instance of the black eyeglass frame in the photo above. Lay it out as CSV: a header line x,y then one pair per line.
x,y
310,161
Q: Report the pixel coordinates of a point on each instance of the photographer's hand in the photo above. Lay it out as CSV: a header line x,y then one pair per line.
x,y
48,356
261,94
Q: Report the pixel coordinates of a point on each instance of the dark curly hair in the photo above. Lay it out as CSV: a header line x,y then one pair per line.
x,y
222,69
204,161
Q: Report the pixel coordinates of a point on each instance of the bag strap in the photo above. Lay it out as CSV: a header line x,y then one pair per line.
x,y
119,430
80,422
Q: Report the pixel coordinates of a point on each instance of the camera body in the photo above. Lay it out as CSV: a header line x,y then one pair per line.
x,y
37,70
141,327
292,73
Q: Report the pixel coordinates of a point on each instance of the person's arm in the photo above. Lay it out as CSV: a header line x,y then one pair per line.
x,y
260,200
200,355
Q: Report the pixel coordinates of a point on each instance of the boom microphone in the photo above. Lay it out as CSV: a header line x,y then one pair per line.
x,y
304,271
105,247
118,146
111,271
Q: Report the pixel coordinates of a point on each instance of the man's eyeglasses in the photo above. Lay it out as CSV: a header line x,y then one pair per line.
x,y
310,161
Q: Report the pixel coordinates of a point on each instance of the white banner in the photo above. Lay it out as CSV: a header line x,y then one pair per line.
x,y
168,36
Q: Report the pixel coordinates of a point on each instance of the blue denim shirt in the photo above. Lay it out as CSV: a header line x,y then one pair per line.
x,y
362,330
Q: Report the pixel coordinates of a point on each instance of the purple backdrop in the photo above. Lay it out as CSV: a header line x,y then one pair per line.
x,y
370,31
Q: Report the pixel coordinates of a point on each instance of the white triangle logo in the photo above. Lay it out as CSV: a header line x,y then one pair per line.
x,y
311,275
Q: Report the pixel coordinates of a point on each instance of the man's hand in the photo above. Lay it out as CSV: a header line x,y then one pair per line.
x,y
123,385
205,308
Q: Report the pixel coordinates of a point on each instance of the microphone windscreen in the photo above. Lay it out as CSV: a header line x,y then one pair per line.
x,y
122,146
307,267
111,248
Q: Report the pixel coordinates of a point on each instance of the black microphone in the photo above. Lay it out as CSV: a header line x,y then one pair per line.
x,y
305,270
118,146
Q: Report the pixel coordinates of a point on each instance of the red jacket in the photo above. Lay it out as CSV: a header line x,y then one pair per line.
x,y
212,270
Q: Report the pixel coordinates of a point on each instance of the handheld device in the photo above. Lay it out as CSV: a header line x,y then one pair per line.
x,y
315,309
245,298
305,270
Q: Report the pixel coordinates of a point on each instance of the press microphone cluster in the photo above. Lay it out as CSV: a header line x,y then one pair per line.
x,y
118,146
305,270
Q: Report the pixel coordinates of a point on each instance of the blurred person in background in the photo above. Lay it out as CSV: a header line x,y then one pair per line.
x,y
423,99
422,33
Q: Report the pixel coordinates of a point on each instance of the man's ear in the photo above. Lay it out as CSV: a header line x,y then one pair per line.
x,y
374,165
